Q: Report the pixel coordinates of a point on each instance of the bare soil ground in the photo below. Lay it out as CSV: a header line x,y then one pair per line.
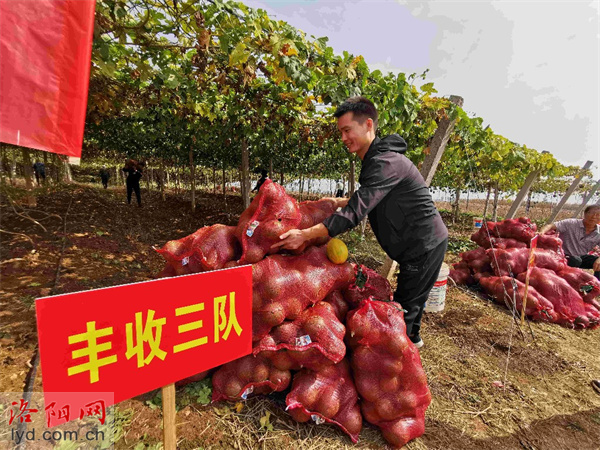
x,y
494,384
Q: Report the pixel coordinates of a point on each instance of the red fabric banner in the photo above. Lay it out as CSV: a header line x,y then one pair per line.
x,y
45,52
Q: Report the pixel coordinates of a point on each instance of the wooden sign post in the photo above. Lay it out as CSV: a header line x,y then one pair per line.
x,y
169,417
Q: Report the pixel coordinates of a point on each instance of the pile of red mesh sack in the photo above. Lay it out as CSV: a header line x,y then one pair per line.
x,y
328,333
557,293
387,371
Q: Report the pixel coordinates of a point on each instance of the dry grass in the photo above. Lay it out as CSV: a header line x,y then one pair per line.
x,y
544,400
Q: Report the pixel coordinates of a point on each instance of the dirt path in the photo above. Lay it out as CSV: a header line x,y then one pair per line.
x,y
493,387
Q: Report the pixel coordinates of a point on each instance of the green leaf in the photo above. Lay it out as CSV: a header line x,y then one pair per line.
x,y
428,88
265,422
239,55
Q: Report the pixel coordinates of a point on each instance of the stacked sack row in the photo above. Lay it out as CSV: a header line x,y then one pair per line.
x,y
557,293
326,332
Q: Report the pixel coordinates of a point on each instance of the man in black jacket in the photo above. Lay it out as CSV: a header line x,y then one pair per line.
x,y
401,211
133,169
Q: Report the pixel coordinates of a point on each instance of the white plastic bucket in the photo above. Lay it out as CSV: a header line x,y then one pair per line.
x,y
436,301
477,222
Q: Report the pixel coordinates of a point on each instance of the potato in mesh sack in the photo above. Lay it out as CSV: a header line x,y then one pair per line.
x,y
315,339
285,285
209,248
477,260
502,290
551,241
326,395
339,304
461,274
387,371
368,283
271,213
249,375
586,285
513,261
313,213
568,304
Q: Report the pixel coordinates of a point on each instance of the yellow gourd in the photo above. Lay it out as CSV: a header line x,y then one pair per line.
x,y
337,252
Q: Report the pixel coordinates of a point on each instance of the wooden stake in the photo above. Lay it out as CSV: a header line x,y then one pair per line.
x,y
558,208
169,417
530,263
525,189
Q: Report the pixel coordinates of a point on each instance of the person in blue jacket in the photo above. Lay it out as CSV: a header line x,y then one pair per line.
x,y
394,196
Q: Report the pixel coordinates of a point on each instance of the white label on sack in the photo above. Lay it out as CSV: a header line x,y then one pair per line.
x,y
318,419
247,392
185,261
251,228
303,341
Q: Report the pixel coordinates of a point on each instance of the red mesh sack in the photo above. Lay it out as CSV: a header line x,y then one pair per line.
x,y
271,213
461,274
387,371
520,229
168,271
339,304
504,243
327,395
249,375
584,283
482,236
513,261
217,247
368,284
551,241
502,290
568,304
479,275
473,255
311,214
177,254
193,379
208,248
314,339
284,286
477,260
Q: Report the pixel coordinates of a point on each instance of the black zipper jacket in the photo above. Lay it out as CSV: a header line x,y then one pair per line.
x,y
395,197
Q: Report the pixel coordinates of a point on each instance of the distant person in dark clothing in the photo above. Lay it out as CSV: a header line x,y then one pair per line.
x,y
339,189
133,169
40,172
263,176
104,176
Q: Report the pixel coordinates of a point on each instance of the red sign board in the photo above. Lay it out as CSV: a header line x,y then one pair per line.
x,y
138,337
45,52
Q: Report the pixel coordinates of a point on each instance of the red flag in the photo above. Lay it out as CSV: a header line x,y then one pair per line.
x,y
45,52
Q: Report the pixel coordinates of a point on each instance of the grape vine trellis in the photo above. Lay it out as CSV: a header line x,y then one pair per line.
x,y
222,85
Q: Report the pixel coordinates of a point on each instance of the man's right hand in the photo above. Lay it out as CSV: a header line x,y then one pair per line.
x,y
291,240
